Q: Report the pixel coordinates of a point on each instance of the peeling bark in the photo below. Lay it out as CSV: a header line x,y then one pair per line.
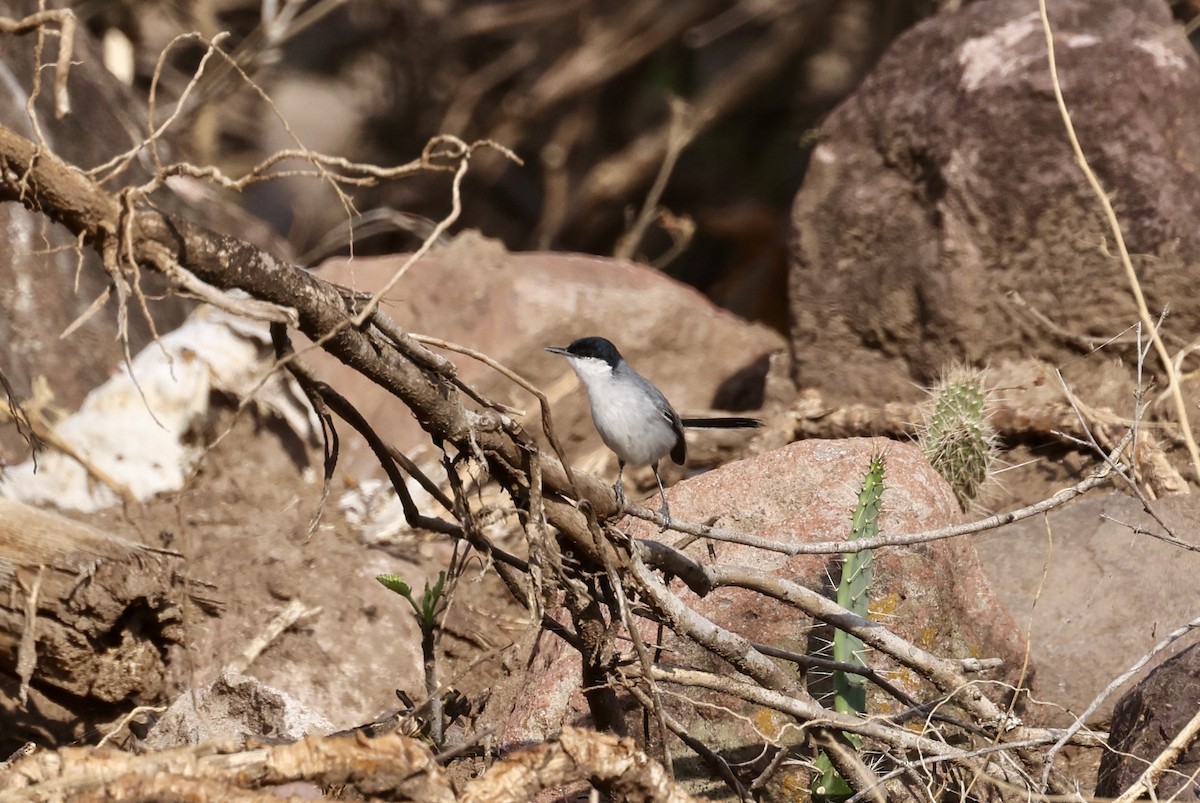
x,y
86,623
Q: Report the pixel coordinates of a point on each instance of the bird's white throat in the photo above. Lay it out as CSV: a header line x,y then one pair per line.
x,y
590,370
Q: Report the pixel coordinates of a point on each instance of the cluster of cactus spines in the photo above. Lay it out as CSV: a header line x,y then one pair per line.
x,y
850,690
956,437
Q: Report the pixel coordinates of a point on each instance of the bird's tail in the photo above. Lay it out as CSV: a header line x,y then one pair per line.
x,y
730,422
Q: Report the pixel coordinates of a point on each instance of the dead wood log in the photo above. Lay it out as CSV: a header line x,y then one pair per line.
x,y
391,766
85,624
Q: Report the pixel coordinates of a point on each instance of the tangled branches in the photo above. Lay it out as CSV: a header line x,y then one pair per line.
x,y
618,593
606,580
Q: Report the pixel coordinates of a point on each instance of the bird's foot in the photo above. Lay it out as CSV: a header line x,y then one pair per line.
x,y
620,492
665,512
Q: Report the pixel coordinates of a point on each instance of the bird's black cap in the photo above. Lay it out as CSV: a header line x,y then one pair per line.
x,y
595,347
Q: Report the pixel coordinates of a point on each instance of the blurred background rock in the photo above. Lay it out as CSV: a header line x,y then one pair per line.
x,y
579,89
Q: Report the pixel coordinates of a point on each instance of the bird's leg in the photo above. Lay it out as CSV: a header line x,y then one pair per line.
x,y
665,510
619,487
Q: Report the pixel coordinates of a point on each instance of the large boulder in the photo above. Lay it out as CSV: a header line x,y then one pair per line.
x,y
1095,593
946,182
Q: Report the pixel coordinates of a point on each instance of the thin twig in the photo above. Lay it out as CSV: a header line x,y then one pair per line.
x,y
639,647
513,376
125,720
27,649
290,614
37,23
457,150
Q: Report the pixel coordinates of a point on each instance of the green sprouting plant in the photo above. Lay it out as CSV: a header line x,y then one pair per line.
x,y
850,689
428,611
955,436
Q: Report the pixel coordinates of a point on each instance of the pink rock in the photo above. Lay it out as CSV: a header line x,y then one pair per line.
x,y
934,595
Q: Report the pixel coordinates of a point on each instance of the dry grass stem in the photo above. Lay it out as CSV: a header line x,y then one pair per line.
x,y
1168,365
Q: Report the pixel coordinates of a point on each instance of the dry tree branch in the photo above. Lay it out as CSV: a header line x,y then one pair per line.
x,y
37,23
733,647
1135,287
388,764
358,174
944,674
238,305
915,707
807,711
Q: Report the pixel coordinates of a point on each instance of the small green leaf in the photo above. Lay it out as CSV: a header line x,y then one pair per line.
x,y
430,599
393,582
427,609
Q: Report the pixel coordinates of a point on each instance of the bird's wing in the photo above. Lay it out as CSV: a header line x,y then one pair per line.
x,y
679,450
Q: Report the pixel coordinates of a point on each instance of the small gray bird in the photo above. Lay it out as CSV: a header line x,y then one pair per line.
x,y
632,416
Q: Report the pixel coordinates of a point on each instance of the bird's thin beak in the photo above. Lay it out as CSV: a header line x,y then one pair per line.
x,y
557,350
